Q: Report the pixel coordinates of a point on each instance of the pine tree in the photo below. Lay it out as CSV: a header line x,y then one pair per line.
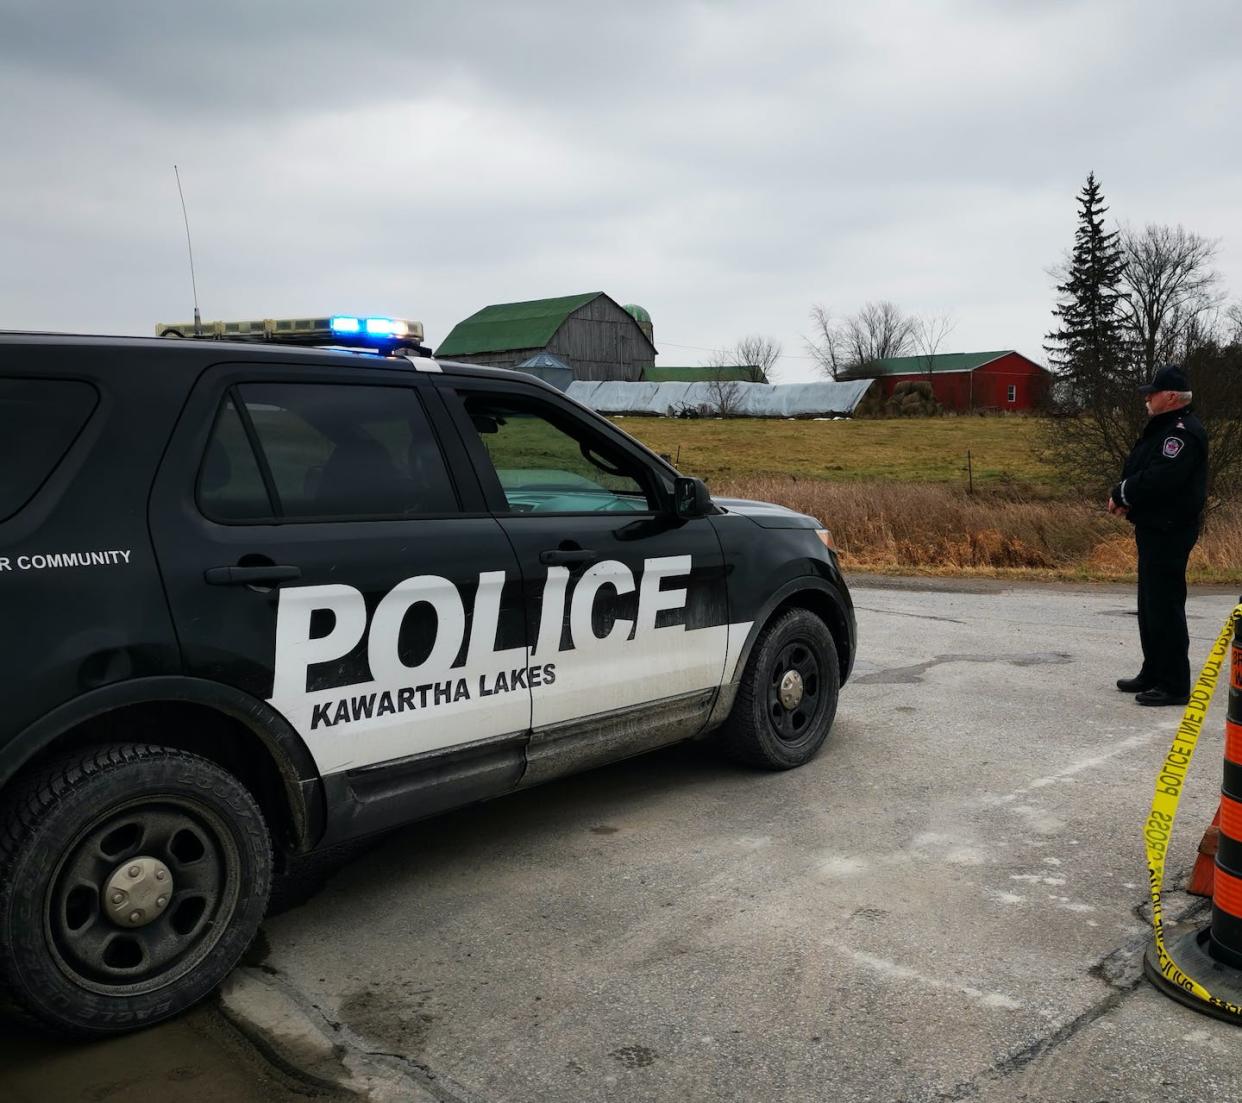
x,y
1088,347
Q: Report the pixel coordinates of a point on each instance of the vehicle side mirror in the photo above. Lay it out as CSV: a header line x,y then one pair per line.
x,y
690,498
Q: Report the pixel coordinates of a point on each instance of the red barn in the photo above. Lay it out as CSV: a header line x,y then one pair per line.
x,y
1004,380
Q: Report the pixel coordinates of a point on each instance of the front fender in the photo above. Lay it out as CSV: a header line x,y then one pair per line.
x,y
817,594
806,592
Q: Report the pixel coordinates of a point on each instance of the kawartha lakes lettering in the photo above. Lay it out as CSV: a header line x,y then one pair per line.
x,y
407,698
397,687
44,561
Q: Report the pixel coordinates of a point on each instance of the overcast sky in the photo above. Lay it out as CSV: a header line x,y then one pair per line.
x,y
726,165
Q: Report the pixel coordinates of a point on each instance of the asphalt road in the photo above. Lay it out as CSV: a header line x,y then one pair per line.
x,y
946,904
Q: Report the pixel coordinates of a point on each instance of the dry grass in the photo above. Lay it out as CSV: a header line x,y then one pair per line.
x,y
924,450
933,529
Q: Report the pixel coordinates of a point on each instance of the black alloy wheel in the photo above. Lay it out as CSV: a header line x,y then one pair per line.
x,y
132,879
787,697
793,690
143,895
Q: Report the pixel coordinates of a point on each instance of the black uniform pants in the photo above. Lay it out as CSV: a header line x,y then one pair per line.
x,y
1162,560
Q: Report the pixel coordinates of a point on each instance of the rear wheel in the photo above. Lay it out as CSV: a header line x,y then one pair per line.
x,y
788,695
132,878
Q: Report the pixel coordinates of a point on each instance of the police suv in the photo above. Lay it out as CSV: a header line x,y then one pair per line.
x,y
261,597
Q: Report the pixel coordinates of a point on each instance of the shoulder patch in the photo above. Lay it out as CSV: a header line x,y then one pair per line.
x,y
1172,446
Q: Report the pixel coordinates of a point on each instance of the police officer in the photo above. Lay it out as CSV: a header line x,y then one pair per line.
x,y
1162,492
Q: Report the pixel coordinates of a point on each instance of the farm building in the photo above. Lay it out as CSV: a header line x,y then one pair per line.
x,y
1004,380
549,368
593,334
676,399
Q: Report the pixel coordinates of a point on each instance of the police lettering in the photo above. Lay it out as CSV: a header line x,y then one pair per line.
x,y
437,679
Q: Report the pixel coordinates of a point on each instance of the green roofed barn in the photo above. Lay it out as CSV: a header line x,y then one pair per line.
x,y
592,333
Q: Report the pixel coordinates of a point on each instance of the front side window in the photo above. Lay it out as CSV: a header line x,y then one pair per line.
x,y
1013,392
326,452
546,464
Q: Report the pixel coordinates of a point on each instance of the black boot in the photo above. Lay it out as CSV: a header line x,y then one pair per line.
x,y
1159,696
1133,685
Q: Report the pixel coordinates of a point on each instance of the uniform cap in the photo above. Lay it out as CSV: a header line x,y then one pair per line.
x,y
1169,378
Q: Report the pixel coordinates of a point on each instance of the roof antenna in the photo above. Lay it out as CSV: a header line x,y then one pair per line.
x,y
198,321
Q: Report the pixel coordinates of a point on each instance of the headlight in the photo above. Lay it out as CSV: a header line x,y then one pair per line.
x,y
825,538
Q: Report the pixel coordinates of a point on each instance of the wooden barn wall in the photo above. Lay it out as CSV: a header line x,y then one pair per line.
x,y
601,341
496,359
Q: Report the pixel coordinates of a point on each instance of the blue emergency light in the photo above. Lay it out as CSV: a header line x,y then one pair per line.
x,y
381,329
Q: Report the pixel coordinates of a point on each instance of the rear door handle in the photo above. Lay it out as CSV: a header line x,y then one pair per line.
x,y
250,576
559,557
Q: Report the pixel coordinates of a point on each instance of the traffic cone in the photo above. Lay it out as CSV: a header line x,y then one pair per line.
x,y
1203,876
1203,968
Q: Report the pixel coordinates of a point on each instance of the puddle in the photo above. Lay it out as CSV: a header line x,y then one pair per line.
x,y
198,1058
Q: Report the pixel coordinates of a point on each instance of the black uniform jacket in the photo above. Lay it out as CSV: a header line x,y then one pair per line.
x,y
1164,482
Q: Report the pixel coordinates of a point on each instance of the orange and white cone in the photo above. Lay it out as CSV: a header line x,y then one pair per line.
x,y
1203,876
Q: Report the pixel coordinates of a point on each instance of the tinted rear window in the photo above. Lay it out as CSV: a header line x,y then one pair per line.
x,y
39,419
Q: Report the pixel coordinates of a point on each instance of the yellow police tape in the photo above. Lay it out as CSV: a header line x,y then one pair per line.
x,y
1169,786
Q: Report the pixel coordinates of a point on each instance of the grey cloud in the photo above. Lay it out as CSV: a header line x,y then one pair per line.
x,y
727,164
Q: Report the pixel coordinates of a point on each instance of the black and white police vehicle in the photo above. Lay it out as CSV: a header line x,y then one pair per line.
x,y
260,597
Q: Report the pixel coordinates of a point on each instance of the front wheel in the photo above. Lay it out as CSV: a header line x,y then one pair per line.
x,y
132,879
788,695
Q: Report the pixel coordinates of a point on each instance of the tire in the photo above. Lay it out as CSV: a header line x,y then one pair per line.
x,y
762,730
103,830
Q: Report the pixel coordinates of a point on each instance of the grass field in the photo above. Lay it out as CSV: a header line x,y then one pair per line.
x,y
931,450
894,494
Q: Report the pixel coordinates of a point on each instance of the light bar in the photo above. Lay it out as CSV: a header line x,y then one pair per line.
x,y
358,330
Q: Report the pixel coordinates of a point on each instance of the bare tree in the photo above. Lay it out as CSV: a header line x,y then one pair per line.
x,y
930,332
753,356
1089,444
877,331
1215,369
1232,324
1171,293
725,396
759,356
826,345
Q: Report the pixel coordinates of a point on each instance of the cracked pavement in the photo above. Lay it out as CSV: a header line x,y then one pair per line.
x,y
947,904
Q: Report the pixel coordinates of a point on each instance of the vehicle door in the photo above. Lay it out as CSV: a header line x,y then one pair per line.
x,y
318,555
626,603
